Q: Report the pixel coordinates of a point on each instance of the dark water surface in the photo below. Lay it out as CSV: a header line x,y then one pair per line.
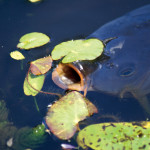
x,y
61,20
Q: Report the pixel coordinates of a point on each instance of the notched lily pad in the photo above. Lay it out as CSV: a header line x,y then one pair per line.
x,y
32,40
78,50
124,135
33,81
17,55
41,66
64,115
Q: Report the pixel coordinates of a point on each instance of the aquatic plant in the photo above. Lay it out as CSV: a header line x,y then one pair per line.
x,y
41,66
75,50
29,138
32,40
17,55
33,84
122,135
19,139
34,1
3,111
72,50
7,130
65,114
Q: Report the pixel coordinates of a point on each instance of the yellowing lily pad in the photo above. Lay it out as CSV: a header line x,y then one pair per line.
x,y
34,1
33,81
41,66
17,55
124,135
32,40
78,50
64,115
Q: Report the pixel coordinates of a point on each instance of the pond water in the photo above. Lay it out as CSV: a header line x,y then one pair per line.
x,y
61,20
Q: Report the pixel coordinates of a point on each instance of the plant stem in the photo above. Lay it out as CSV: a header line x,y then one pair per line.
x,y
36,105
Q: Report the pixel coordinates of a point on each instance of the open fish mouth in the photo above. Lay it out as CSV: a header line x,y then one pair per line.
x,y
68,76
75,75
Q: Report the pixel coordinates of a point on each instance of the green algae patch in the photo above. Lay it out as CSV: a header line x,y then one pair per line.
x,y
64,115
33,84
122,135
41,66
78,50
32,40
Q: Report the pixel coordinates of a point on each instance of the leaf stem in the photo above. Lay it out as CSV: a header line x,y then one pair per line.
x,y
57,94
36,105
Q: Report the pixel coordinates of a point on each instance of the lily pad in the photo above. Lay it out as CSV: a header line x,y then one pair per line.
x,y
41,66
34,1
64,115
78,50
124,135
33,81
17,55
32,40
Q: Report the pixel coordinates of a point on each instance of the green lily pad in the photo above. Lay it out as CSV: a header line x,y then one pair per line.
x,y
16,55
64,115
41,66
78,50
32,40
124,135
33,81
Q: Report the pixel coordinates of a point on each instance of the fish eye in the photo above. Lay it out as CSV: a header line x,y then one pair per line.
x,y
126,72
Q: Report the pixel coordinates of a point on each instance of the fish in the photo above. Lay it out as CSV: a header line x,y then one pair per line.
x,y
124,66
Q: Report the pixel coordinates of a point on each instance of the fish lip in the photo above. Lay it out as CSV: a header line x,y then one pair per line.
x,y
60,73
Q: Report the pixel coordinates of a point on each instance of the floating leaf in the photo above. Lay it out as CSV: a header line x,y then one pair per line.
x,y
41,66
63,116
78,50
34,1
122,135
17,55
32,40
35,81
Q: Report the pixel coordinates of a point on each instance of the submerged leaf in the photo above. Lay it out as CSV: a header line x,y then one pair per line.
x,y
64,115
17,55
124,135
29,138
35,81
78,50
41,66
32,40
